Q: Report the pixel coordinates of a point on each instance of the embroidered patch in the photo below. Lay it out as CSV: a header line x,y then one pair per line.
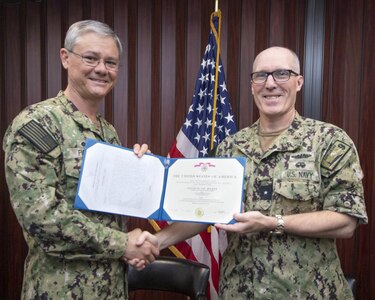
x,y
38,136
334,155
266,192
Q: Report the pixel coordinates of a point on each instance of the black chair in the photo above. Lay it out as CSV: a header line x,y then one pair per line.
x,y
171,274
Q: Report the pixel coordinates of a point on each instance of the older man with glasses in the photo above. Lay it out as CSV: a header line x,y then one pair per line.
x,y
303,190
72,254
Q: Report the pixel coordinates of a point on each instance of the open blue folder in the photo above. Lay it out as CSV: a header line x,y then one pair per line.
x,y
114,180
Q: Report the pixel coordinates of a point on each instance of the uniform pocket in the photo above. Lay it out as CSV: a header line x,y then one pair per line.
x,y
297,196
72,161
301,190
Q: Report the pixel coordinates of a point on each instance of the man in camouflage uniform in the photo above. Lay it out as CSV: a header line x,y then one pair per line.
x,y
72,254
303,190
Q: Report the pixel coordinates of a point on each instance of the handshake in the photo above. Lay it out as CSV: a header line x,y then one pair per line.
x,y
142,249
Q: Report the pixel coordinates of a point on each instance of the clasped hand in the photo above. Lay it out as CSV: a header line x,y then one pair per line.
x,y
139,254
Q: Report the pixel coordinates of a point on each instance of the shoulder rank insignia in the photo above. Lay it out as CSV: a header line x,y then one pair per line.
x,y
334,155
38,136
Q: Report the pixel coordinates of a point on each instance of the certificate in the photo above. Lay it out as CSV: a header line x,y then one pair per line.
x,y
114,180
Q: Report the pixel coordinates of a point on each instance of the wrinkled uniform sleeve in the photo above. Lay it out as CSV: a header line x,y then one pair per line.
x,y
36,189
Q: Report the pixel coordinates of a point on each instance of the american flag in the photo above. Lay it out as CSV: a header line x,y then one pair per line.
x,y
210,111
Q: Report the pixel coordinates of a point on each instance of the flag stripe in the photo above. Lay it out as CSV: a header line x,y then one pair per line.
x,y
186,148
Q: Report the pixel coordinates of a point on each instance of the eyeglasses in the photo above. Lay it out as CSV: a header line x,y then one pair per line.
x,y
93,61
278,76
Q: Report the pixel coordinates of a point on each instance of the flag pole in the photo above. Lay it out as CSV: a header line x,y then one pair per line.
x,y
217,13
216,5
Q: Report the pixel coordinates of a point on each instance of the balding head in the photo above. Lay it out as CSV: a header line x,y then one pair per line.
x,y
274,58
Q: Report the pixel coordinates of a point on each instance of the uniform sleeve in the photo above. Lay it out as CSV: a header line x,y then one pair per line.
x,y
342,179
38,200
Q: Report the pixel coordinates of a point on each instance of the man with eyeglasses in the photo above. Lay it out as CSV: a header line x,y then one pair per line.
x,y
303,190
72,254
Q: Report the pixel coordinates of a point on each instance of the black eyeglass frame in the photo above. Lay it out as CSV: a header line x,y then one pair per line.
x,y
290,72
98,62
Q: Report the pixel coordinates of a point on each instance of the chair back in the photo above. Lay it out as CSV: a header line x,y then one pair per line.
x,y
171,274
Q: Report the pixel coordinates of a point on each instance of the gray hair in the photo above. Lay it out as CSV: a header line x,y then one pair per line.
x,y
81,28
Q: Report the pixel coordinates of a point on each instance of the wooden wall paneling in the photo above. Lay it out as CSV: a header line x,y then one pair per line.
x,y
346,56
262,21
233,65
350,21
276,22
193,52
52,81
75,11
328,58
261,40
181,50
364,263
245,107
3,125
155,97
120,92
33,52
14,100
225,6
14,62
95,9
294,34
4,205
168,74
143,76
207,7
3,190
131,117
313,59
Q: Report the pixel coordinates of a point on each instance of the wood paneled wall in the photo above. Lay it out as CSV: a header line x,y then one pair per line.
x,y
163,45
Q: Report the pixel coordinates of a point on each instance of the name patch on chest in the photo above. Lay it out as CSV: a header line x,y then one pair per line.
x,y
299,174
301,166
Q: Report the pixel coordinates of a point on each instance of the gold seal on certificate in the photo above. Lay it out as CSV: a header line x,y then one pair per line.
x,y
199,212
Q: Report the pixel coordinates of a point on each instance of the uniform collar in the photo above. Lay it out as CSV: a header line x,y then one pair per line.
x,y
289,140
77,115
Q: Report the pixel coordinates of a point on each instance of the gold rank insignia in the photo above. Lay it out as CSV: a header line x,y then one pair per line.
x,y
334,155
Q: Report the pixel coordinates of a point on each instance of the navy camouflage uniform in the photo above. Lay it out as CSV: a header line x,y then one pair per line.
x,y
312,166
72,254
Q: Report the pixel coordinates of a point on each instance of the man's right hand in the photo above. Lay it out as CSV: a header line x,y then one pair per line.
x,y
141,254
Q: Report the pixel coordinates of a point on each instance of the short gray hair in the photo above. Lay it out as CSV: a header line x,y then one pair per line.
x,y
81,28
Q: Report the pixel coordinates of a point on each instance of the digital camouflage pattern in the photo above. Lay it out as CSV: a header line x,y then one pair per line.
x,y
72,254
312,166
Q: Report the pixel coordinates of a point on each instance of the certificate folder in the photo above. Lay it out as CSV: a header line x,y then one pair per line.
x,y
114,180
